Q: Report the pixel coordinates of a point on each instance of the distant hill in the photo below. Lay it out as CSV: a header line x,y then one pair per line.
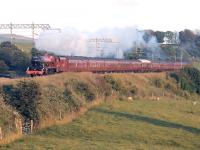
x,y
22,42
16,38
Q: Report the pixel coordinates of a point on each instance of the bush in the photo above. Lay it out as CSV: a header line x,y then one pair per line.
x,y
157,82
175,76
188,78
126,88
83,89
53,94
187,85
74,105
104,88
133,90
194,75
24,97
116,85
3,67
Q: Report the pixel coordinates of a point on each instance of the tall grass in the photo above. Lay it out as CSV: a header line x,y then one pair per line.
x,y
7,117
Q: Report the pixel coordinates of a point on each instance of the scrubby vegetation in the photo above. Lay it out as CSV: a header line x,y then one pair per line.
x,y
84,89
47,100
7,114
123,88
188,79
73,103
115,84
24,97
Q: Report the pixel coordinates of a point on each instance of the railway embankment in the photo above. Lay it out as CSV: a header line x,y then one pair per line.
x,y
57,99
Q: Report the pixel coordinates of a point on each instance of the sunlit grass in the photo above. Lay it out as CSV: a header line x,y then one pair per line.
x,y
196,64
123,125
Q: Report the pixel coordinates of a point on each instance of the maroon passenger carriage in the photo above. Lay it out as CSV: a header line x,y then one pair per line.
x,y
48,64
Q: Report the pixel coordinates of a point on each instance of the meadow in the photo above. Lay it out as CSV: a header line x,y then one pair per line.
x,y
136,124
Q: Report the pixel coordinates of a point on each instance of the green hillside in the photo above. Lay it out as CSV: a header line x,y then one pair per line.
x,y
22,42
166,124
196,64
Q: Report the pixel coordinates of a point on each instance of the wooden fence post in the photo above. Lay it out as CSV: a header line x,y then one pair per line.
x,y
18,125
1,134
163,93
31,126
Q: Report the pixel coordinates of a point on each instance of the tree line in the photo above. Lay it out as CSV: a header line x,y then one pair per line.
x,y
185,43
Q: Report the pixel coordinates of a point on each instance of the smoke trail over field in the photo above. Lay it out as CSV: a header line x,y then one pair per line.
x,y
73,42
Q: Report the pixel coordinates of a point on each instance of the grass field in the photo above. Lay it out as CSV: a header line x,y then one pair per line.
x,y
197,64
139,124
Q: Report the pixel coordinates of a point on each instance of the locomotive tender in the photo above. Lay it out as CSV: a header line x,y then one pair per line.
x,y
49,64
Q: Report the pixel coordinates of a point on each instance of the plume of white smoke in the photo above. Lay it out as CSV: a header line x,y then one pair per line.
x,y
67,42
73,42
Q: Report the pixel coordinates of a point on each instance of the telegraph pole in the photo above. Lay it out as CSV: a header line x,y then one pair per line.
x,y
33,32
98,41
177,41
173,39
181,58
11,33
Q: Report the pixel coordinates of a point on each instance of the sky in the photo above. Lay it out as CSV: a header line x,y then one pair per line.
x,y
91,15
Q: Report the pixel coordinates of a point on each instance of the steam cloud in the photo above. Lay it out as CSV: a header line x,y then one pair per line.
x,y
72,42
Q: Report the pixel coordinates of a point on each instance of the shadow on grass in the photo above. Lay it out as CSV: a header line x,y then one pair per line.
x,y
150,120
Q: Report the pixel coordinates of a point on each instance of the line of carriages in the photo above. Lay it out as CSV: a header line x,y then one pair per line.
x,y
54,64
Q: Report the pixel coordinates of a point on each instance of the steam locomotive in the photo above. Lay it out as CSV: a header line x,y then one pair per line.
x,y
50,64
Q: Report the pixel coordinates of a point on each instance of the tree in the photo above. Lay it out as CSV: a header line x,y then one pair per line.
x,y
13,57
197,41
148,35
3,67
24,97
187,36
189,79
160,36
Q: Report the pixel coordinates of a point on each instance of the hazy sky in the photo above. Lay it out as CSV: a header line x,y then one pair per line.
x,y
94,14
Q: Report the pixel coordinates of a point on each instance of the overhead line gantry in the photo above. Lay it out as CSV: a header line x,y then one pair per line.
x,y
32,26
